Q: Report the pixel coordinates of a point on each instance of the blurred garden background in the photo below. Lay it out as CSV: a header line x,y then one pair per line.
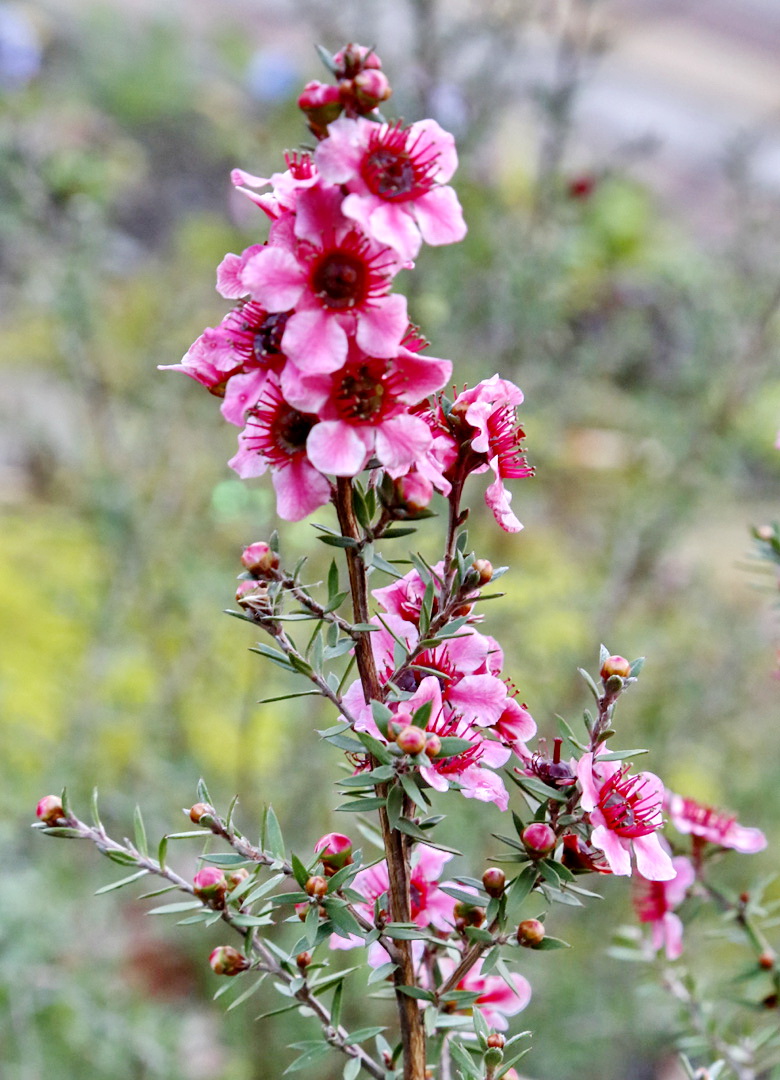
x,y
620,175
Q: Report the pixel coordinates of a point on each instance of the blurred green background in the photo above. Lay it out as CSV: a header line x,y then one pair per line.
x,y
630,290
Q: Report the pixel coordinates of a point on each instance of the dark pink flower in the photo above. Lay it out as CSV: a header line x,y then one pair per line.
x,y
397,181
496,999
712,825
625,812
275,437
335,278
655,901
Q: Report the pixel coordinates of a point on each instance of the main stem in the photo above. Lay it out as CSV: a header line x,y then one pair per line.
x,y
410,1015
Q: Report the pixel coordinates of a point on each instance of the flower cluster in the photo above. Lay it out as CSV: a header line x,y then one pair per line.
x,y
317,363
465,699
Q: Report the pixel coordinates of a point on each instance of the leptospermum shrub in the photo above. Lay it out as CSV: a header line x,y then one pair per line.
x,y
336,396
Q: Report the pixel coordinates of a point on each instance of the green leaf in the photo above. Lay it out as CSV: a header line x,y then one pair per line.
x,y
416,992
288,697
536,788
121,882
404,932
123,858
394,532
247,921
361,1034
414,793
309,1056
311,925
549,943
272,834
335,1005
386,567
477,934
73,834
619,755
175,909
451,747
375,748
264,889
342,919
333,580
480,1026
463,896
94,808
338,541
636,666
421,716
351,1069
465,1061
523,884
380,973
591,685
300,872
226,860
247,993
395,805
186,835
162,851
360,805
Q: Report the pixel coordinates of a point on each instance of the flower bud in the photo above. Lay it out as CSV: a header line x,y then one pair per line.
x,y
335,852
198,812
210,884
302,910
369,89
252,596
432,745
411,740
539,839
767,960
322,104
615,665
484,570
352,59
259,559
303,959
496,1039
469,914
530,933
411,494
50,810
494,880
493,1057
316,886
225,960
399,723
235,877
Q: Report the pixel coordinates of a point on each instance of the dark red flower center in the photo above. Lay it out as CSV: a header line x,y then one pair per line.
x,y
268,336
278,431
365,392
395,169
629,809
341,281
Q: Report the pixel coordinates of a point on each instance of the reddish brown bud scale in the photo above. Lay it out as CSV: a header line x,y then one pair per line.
x,y
530,933
316,886
767,960
411,740
496,1039
615,665
225,960
303,959
199,811
50,810
494,881
259,559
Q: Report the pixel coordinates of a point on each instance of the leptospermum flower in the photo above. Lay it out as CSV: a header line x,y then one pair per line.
x,y
363,409
655,901
397,180
275,437
495,442
711,825
335,278
625,812
496,999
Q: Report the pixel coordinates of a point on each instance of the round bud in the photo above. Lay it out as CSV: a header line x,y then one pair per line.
x,y
316,886
259,559
494,881
484,570
198,812
370,88
411,740
303,959
493,1057
744,898
496,1039
225,960
235,877
767,960
539,839
615,665
530,933
209,883
432,745
50,810
335,852
302,910
469,914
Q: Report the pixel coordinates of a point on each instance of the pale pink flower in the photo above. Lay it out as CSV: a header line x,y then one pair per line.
x,y
397,179
715,826
489,409
335,278
655,901
496,1000
625,812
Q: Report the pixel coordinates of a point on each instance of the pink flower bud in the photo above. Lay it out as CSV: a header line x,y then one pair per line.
x,y
539,839
49,810
369,89
335,852
530,933
322,104
352,59
225,960
432,745
496,1040
259,559
493,881
615,665
316,886
413,493
209,883
411,740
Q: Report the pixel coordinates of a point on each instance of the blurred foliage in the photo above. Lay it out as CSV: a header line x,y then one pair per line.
x,y
648,358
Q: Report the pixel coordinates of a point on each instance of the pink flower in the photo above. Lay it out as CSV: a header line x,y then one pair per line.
x,y
655,901
299,176
335,278
626,814
484,421
714,826
275,437
396,178
496,1000
364,410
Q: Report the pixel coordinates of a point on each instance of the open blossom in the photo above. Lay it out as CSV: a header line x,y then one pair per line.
x,y
337,281
717,827
397,181
484,422
626,814
655,901
496,999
